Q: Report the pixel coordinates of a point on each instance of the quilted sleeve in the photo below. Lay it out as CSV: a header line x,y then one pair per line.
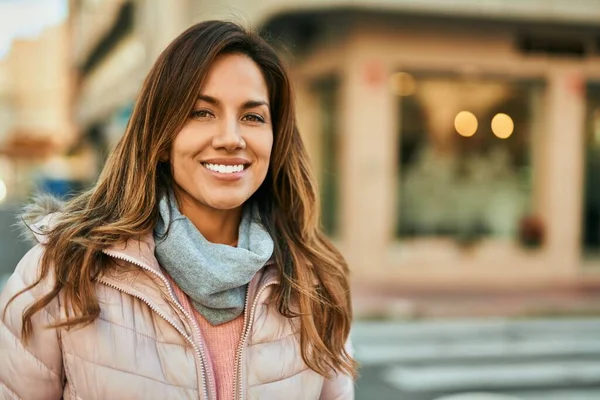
x,y
341,386
33,371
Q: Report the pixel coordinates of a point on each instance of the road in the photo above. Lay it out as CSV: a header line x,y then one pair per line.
x,y
527,359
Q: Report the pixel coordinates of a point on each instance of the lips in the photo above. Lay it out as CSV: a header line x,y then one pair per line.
x,y
227,161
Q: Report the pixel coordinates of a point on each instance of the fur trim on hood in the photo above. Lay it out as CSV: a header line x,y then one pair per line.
x,y
35,216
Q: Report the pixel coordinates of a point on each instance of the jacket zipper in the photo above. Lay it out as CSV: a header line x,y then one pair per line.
x,y
239,392
198,348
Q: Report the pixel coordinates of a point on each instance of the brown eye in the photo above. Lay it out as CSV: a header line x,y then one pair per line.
x,y
200,114
254,118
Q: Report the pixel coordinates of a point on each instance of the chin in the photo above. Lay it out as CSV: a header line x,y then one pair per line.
x,y
226,204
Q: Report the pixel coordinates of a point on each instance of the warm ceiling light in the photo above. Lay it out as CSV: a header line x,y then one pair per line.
x,y
465,123
502,125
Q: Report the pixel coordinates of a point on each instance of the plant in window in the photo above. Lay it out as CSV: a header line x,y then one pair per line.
x,y
531,231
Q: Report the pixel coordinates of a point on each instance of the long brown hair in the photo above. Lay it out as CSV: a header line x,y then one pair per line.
x,y
123,203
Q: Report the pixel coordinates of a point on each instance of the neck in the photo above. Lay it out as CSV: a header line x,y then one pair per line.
x,y
217,226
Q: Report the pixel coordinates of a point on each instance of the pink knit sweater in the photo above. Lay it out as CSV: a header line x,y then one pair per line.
x,y
221,343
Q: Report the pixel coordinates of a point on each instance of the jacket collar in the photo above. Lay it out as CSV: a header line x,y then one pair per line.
x,y
143,277
140,251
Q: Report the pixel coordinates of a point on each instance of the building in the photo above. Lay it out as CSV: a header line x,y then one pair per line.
x,y
36,129
456,143
115,43
36,93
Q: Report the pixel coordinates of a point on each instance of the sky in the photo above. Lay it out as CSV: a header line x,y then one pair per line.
x,y
27,18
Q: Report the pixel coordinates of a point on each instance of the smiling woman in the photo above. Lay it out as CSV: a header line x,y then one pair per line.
x,y
198,251
221,155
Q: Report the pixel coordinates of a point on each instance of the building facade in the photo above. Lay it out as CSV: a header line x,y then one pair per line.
x,y
36,93
456,144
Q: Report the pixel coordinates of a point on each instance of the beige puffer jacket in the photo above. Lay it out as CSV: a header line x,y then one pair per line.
x,y
143,344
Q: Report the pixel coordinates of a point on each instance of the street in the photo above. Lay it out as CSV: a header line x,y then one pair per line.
x,y
528,359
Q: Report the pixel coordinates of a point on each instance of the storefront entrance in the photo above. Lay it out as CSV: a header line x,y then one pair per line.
x,y
591,205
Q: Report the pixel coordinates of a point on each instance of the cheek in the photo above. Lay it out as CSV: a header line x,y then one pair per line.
x,y
186,145
267,146
266,149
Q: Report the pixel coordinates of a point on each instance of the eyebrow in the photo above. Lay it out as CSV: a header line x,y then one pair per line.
x,y
247,105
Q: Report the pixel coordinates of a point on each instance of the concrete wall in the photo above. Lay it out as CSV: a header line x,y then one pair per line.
x,y
259,11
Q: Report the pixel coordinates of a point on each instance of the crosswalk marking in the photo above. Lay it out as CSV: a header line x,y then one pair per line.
x,y
563,394
374,354
484,327
497,376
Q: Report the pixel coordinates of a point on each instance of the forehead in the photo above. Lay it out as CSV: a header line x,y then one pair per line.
x,y
235,75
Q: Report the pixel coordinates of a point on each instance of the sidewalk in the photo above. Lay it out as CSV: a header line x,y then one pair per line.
x,y
582,298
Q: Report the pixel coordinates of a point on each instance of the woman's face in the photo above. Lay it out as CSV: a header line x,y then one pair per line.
x,y
221,155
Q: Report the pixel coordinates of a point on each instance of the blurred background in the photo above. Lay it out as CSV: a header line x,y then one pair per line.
x,y
457,146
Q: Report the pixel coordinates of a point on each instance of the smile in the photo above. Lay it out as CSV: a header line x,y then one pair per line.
x,y
225,169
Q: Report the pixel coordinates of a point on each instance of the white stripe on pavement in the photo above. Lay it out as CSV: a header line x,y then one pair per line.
x,y
423,330
559,394
373,354
463,377
566,394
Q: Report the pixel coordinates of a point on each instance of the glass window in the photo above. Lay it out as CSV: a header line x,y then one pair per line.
x,y
591,210
327,92
464,160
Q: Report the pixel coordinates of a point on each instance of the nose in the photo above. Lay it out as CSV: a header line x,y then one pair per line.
x,y
229,137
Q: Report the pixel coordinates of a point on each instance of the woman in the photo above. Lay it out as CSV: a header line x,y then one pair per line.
x,y
195,268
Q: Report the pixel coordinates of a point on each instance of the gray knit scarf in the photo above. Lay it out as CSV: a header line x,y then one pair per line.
x,y
214,276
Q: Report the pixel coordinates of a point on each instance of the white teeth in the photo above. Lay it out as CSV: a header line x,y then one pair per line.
x,y
224,169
